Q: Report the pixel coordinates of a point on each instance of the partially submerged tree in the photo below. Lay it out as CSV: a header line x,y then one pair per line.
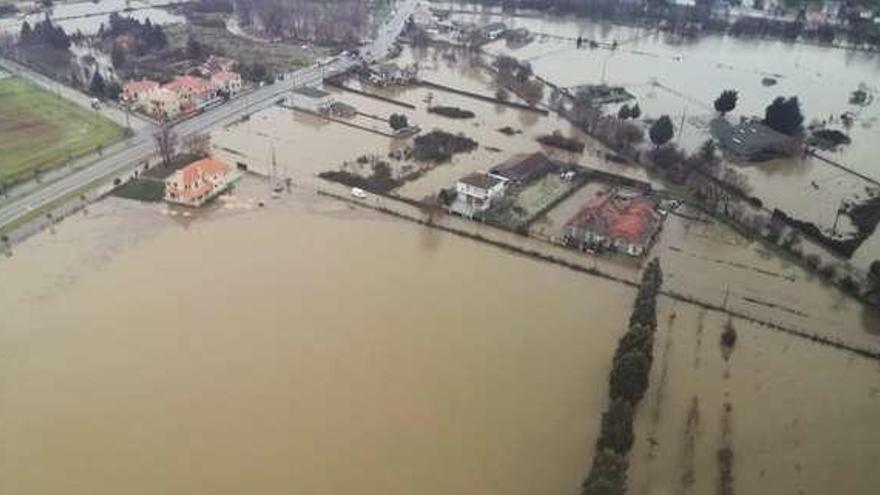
x,y
726,102
398,121
784,115
635,112
662,131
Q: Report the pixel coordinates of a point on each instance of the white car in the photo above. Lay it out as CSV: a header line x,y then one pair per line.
x,y
358,193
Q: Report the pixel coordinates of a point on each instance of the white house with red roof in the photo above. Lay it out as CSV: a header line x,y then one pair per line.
x,y
199,181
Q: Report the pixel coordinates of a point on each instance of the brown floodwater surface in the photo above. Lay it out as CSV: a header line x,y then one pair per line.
x,y
302,348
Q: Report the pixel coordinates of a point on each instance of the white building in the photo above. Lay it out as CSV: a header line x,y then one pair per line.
x,y
311,99
476,192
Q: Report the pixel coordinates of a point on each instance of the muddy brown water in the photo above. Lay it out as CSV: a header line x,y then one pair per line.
x,y
302,347
691,72
309,346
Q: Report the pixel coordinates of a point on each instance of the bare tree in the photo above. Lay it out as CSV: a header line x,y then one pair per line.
x,y
166,143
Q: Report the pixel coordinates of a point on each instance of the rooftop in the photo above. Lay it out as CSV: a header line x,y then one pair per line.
x,y
631,218
192,83
748,139
139,86
481,180
524,167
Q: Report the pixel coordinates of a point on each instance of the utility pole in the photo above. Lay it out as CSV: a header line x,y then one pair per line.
x,y
680,126
836,218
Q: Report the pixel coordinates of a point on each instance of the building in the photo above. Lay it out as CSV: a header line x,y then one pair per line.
x,y
391,73
138,91
193,92
751,141
610,220
311,99
162,103
495,30
475,193
225,82
524,168
198,182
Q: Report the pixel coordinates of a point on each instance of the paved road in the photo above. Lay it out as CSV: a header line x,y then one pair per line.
x,y
122,159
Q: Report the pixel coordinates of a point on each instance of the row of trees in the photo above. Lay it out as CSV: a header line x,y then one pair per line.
x,y
44,33
783,114
321,21
518,77
627,385
146,36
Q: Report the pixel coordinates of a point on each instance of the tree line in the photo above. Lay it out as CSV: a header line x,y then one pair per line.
x,y
628,382
44,33
324,21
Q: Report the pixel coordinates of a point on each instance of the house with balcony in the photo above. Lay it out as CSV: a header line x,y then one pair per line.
x,y
475,193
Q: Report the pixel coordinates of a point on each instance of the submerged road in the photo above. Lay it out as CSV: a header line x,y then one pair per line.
x,y
123,159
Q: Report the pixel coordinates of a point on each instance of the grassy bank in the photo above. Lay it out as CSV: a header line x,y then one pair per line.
x,y
39,130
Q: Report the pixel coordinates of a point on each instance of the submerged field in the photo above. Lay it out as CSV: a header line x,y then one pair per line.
x,y
39,130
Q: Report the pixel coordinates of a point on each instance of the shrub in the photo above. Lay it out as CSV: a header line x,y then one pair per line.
x,y
629,377
617,428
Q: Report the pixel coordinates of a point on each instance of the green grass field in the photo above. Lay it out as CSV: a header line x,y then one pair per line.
x,y
39,131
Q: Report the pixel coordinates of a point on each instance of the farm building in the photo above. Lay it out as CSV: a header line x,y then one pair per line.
x,y
610,220
524,168
311,99
752,141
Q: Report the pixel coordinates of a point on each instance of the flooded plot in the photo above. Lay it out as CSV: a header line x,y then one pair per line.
x,y
322,356
756,419
551,225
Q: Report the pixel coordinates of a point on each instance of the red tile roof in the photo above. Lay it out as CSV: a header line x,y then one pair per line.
x,y
191,83
632,219
196,178
134,87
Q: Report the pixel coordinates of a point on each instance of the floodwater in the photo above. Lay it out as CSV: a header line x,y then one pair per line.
x,y
312,347
304,347
87,17
681,78
801,417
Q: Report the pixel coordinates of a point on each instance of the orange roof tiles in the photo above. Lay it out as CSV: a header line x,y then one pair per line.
x,y
631,219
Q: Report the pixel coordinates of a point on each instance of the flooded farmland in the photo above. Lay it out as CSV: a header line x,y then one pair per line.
x,y
681,77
